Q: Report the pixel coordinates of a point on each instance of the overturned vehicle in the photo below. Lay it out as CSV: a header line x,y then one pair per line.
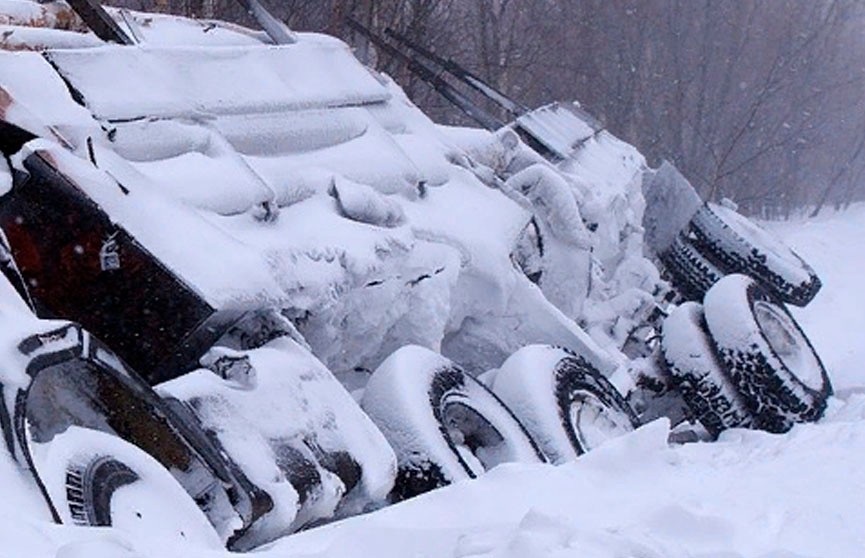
x,y
243,274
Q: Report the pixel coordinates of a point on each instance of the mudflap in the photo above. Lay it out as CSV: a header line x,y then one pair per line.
x,y
76,382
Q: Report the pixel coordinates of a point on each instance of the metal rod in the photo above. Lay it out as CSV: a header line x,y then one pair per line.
x,y
514,107
100,22
133,27
444,88
278,31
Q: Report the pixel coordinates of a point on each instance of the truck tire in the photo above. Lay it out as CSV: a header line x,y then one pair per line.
x,y
443,424
766,354
96,479
689,356
738,245
91,484
566,405
690,273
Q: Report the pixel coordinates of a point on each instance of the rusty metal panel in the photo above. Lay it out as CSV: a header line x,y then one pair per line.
x,y
80,265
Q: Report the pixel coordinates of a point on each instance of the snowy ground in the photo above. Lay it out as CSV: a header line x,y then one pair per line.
x,y
835,320
751,494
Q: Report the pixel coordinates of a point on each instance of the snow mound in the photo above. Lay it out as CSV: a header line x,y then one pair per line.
x,y
363,204
750,494
834,320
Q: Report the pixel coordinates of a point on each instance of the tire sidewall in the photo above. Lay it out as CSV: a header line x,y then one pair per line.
x,y
575,376
773,392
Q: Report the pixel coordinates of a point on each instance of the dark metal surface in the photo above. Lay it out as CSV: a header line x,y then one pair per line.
x,y
100,22
514,107
275,29
444,88
78,264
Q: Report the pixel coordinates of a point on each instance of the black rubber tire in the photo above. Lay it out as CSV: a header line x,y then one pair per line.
x,y
690,273
575,378
766,354
548,388
92,478
423,403
689,356
736,245
90,486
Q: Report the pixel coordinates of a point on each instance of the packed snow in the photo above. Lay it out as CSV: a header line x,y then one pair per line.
x,y
750,494
286,414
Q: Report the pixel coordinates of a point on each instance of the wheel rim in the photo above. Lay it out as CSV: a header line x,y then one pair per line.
x,y
788,344
480,445
594,422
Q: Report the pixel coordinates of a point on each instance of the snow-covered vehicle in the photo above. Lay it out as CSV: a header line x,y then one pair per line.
x,y
311,301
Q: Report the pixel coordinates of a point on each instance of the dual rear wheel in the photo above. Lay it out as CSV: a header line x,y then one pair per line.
x,y
741,360
718,241
544,404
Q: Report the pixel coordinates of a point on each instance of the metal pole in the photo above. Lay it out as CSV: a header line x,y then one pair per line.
x,y
444,88
278,31
514,107
98,20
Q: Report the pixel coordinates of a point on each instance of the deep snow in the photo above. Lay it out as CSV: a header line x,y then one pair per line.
x,y
835,320
751,494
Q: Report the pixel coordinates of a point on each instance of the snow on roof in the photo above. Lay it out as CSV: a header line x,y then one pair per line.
x,y
38,100
561,127
158,82
39,38
225,271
